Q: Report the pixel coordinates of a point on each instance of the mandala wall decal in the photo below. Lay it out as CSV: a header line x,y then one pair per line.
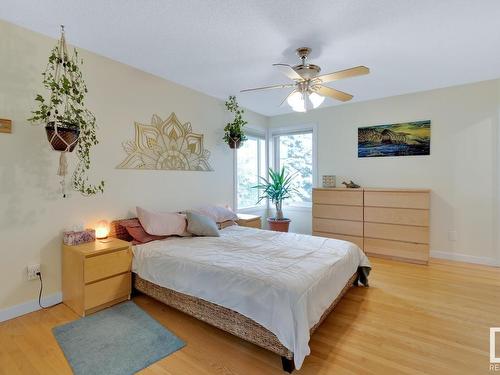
x,y
166,145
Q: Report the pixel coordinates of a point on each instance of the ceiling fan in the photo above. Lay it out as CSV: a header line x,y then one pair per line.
x,y
309,90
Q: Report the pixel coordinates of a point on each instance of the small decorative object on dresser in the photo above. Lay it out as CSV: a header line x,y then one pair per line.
x,y
5,126
73,238
329,181
251,221
351,185
96,275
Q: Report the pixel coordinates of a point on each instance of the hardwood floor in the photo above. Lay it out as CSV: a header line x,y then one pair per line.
x,y
412,320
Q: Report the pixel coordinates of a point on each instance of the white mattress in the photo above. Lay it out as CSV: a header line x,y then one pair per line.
x,y
283,281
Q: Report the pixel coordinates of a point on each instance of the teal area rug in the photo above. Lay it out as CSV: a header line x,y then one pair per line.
x,y
120,340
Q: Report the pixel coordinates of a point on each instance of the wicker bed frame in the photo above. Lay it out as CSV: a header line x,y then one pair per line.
x,y
223,318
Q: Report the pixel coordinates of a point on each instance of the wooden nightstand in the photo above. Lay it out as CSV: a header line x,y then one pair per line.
x,y
252,221
96,275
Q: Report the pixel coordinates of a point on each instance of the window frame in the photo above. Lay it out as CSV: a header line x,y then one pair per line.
x,y
274,135
259,135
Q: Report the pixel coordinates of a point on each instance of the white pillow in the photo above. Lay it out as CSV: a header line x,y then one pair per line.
x,y
161,223
218,213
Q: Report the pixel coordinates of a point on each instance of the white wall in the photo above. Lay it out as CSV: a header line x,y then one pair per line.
x,y
32,212
462,170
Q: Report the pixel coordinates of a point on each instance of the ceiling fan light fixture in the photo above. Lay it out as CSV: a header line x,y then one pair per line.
x,y
299,107
297,102
316,99
295,99
309,90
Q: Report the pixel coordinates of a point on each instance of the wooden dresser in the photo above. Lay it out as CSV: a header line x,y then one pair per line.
x,y
397,223
96,275
392,223
338,213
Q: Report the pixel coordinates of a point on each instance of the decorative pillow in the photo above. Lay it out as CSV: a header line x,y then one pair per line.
x,y
218,213
161,223
135,229
201,225
185,233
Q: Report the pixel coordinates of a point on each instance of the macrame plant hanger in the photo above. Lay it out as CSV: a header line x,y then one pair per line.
x,y
63,162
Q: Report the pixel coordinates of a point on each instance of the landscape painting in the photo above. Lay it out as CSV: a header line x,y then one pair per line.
x,y
403,139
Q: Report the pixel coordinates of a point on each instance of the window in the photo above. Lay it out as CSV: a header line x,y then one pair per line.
x,y
294,151
250,163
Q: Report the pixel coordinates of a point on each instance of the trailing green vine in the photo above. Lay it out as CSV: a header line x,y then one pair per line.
x,y
233,131
66,108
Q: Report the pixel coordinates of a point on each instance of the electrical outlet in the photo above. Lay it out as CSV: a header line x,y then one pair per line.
x,y
32,271
452,235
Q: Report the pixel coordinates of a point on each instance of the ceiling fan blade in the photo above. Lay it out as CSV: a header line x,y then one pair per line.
x,y
289,72
332,93
286,97
341,74
284,86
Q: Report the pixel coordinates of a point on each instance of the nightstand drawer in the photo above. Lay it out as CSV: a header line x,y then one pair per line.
x,y
107,290
250,221
251,224
106,265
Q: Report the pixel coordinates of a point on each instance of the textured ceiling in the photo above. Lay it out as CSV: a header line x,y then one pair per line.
x,y
220,46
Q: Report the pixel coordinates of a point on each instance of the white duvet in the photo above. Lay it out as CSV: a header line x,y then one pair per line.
x,y
283,281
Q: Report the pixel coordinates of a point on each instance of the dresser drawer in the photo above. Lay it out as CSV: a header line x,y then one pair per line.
x,y
354,239
351,228
396,249
328,211
403,233
107,290
106,265
405,199
405,216
339,197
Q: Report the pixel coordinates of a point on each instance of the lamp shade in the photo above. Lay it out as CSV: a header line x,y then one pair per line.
x,y
316,99
102,229
296,101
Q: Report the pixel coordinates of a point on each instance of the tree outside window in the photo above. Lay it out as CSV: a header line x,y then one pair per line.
x,y
295,153
251,163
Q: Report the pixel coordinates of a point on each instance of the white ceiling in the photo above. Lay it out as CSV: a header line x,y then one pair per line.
x,y
222,46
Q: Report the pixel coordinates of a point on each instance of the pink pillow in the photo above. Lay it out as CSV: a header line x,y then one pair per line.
x,y
161,223
135,229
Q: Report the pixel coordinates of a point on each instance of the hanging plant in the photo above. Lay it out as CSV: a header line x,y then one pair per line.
x,y
68,123
234,134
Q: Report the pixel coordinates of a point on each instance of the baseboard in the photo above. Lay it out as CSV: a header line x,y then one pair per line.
x,y
465,258
30,306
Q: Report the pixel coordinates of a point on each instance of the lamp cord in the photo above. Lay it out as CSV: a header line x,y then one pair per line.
x,y
39,274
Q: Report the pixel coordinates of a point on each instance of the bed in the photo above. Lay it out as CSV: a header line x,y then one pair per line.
x,y
272,289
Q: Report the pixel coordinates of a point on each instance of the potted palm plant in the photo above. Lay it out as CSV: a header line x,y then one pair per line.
x,y
68,123
234,135
277,188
